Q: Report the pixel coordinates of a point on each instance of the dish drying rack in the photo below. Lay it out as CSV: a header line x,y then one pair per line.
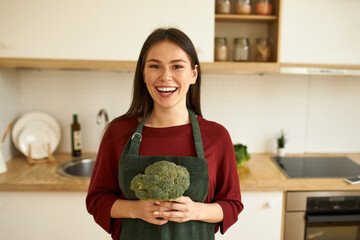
x,y
49,159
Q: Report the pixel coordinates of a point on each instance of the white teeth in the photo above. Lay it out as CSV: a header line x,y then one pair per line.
x,y
166,89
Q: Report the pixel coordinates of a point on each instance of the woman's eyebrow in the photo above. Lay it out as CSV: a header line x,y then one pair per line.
x,y
153,60
172,61
177,60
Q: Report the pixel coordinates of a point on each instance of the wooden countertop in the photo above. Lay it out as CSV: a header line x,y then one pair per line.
x,y
22,176
258,174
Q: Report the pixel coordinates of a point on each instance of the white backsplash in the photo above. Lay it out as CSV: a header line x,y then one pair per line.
x,y
63,93
9,107
319,113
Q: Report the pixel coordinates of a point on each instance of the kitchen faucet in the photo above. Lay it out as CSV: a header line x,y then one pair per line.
x,y
100,114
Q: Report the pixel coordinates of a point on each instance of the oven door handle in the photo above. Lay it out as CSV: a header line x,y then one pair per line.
x,y
333,218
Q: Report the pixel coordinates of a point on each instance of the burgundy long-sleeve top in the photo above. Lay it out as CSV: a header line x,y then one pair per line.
x,y
224,187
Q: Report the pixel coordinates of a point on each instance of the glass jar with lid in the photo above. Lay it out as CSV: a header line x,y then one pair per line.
x,y
241,50
263,50
263,7
223,6
221,49
243,7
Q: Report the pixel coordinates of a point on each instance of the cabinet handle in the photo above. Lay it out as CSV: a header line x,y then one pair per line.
x,y
326,71
270,204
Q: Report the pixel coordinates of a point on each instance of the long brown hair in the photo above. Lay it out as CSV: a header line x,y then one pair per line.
x,y
142,103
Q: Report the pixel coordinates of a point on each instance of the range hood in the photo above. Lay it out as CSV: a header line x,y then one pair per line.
x,y
316,69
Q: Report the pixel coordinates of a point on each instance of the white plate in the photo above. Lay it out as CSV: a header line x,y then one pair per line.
x,y
36,119
31,123
38,137
35,116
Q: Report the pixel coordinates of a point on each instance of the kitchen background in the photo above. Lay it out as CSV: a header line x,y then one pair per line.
x,y
254,101
319,113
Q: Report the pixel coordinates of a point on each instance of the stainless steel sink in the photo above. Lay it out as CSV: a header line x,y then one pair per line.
x,y
78,168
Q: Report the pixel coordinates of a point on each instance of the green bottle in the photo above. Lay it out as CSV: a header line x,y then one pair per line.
x,y
75,137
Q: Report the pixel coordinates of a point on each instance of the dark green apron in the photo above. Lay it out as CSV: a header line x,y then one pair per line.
x,y
132,164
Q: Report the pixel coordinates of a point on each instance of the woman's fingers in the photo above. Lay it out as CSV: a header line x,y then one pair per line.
x,y
158,221
178,210
160,212
146,210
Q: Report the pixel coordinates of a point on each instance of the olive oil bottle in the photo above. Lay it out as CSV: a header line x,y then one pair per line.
x,y
75,137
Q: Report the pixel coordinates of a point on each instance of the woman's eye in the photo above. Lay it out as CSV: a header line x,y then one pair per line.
x,y
154,66
177,66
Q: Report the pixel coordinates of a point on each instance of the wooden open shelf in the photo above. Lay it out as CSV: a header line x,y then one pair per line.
x,y
251,18
76,64
240,67
113,65
272,23
252,26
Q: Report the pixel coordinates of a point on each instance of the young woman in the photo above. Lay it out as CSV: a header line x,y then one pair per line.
x,y
165,122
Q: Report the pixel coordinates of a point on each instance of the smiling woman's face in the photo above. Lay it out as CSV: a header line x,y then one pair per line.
x,y
168,75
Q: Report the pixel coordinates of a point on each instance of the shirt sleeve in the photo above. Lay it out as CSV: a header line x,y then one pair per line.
x,y
227,192
103,189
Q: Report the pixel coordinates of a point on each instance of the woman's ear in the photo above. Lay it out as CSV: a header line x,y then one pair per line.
x,y
195,73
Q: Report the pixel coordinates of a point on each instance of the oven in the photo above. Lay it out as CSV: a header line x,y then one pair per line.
x,y
324,215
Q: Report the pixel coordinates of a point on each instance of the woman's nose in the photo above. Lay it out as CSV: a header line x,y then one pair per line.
x,y
166,75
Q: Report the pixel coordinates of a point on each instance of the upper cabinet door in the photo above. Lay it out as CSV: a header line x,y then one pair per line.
x,y
95,29
320,32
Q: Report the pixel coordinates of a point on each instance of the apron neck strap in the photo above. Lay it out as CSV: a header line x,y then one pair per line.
x,y
137,136
196,134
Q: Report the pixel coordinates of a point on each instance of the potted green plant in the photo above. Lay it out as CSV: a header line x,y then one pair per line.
x,y
281,141
241,154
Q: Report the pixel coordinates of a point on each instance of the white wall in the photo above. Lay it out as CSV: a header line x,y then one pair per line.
x,y
9,106
320,113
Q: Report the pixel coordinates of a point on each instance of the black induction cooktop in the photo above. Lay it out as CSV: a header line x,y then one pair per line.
x,y
317,167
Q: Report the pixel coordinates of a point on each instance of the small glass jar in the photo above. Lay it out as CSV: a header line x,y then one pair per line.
x,y
243,7
221,49
263,7
223,6
263,50
241,50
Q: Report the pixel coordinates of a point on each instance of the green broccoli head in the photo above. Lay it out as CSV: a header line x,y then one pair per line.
x,y
162,180
241,154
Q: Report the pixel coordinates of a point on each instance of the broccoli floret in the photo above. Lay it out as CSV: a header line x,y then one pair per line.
x,y
241,154
162,180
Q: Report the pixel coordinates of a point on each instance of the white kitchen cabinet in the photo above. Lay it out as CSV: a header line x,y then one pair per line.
x,y
260,219
320,32
63,215
100,30
47,215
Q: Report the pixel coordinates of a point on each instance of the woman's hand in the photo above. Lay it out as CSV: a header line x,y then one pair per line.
x,y
137,209
146,210
160,212
182,209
